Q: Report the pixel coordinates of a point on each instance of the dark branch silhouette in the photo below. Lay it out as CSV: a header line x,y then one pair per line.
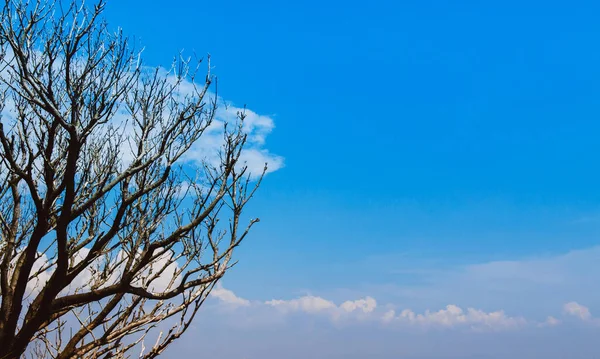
x,y
107,229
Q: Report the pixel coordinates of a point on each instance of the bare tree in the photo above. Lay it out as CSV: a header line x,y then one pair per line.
x,y
108,228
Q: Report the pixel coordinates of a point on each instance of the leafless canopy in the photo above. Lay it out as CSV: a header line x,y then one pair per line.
x,y
108,229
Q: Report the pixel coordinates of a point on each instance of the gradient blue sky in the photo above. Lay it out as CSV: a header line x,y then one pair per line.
x,y
436,152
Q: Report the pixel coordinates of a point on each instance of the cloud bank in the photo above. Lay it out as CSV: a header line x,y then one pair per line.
x,y
367,309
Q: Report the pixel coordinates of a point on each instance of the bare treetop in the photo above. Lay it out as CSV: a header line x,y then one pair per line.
x,y
107,230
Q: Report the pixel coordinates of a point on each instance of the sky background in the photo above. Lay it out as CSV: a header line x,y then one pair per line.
x,y
435,153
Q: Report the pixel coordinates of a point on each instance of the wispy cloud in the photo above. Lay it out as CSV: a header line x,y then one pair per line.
x,y
538,286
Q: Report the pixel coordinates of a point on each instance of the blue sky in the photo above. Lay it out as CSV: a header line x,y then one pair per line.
x,y
435,153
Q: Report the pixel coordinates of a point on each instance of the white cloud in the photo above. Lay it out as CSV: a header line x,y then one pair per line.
x,y
577,310
309,304
37,282
257,127
90,277
360,308
388,316
367,305
550,322
366,308
453,316
255,160
228,297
